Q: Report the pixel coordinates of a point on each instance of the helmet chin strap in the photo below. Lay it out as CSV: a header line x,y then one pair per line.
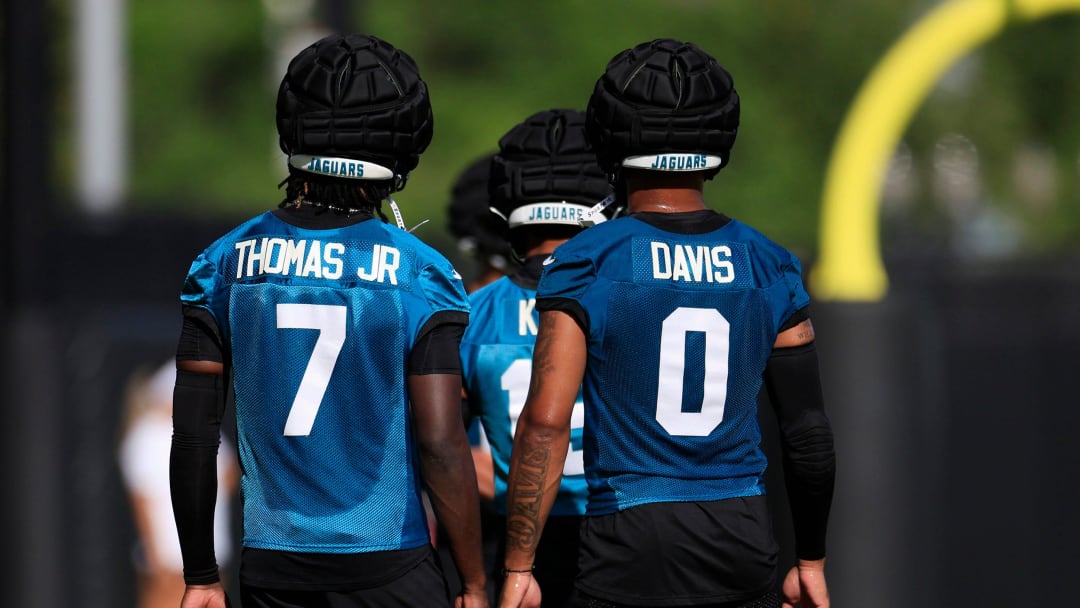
x,y
396,212
397,215
589,218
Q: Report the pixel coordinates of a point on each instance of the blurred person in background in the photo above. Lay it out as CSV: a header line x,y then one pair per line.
x,y
144,465
673,316
479,235
543,179
477,232
337,335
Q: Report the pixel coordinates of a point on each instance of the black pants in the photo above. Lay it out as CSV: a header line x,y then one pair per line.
x,y
420,587
769,600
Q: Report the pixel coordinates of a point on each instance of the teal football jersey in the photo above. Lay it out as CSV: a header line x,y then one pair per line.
x,y
319,325
496,358
680,329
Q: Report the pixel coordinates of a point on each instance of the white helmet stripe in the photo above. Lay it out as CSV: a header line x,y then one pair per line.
x,y
347,168
673,161
560,212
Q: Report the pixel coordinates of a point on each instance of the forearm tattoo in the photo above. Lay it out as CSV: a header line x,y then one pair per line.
x,y
523,523
543,358
533,460
805,332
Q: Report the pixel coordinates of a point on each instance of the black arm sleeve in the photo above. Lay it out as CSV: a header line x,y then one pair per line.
x,y
438,349
794,386
198,404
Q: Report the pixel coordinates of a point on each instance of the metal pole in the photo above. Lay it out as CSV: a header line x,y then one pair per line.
x,y
102,104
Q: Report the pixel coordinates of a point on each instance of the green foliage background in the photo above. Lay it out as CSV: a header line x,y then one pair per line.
x,y
203,80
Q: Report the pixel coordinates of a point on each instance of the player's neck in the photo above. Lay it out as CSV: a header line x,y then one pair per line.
x,y
664,192
665,200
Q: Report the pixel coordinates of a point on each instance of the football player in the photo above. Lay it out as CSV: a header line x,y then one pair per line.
x,y
673,316
543,179
478,232
337,335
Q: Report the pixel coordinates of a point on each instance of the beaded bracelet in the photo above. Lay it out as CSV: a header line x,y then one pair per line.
x,y
506,571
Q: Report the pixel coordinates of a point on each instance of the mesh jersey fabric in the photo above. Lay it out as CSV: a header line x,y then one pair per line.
x,y
319,324
496,358
680,327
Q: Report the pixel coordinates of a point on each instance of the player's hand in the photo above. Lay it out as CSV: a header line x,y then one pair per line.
x,y
804,585
520,591
204,596
472,599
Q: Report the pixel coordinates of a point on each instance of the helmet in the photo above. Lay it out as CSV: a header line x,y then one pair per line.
x,y
353,98
545,172
664,105
470,220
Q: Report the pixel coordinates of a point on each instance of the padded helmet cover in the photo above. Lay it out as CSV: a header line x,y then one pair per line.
x,y
546,158
357,97
663,96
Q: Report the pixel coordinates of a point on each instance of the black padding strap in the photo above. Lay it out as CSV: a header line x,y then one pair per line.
x,y
796,317
569,306
438,349
200,337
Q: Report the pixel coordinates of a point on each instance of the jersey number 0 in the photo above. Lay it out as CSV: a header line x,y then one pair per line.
x,y
669,390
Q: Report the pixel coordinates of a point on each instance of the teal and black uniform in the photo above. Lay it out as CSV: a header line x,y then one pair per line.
x,y
318,322
680,313
496,359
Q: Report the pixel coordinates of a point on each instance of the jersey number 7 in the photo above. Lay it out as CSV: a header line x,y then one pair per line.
x,y
330,321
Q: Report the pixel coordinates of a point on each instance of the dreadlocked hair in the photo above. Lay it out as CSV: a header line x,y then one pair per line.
x,y
341,196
